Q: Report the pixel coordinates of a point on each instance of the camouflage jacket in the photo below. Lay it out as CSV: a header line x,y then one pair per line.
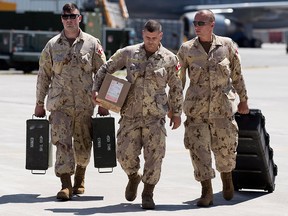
x,y
66,72
215,78
149,78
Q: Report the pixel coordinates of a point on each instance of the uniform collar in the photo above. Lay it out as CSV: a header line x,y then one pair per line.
x,y
215,41
63,38
157,53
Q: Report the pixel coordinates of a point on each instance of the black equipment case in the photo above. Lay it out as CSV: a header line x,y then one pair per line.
x,y
104,143
37,145
255,168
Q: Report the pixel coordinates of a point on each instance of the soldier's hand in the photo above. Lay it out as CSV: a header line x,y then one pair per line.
x,y
175,122
170,114
243,107
39,111
102,111
94,98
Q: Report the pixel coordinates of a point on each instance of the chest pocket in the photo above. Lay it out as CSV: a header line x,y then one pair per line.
x,y
134,71
224,67
161,76
58,60
195,73
86,61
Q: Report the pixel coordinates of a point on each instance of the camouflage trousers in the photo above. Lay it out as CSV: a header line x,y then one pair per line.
x,y
217,135
132,136
71,133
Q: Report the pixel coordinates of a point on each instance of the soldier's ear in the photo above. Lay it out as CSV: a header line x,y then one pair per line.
x,y
161,35
212,24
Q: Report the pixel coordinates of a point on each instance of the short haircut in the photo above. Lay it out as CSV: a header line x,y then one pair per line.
x,y
208,13
152,26
69,7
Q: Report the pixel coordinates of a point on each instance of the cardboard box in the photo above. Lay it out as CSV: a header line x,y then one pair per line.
x,y
113,92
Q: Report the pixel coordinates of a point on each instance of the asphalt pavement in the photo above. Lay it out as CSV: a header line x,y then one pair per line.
x,y
23,193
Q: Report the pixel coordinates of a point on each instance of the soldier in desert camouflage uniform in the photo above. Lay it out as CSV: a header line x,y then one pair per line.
x,y
150,67
214,70
67,65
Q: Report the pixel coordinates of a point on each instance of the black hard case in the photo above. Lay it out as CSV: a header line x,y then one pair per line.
x,y
255,168
37,144
104,143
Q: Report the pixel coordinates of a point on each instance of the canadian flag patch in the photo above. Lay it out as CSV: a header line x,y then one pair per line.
x,y
178,66
100,51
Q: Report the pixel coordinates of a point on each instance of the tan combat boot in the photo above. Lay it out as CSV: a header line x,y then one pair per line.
x,y
228,187
147,197
206,198
78,187
66,192
131,188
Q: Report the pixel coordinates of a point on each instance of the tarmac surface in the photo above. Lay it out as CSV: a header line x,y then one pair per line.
x,y
23,193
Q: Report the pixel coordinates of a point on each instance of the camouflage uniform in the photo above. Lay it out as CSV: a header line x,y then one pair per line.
x,y
210,104
142,122
66,75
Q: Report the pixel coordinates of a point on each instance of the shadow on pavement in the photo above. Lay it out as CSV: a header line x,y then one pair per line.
x,y
34,198
119,208
239,197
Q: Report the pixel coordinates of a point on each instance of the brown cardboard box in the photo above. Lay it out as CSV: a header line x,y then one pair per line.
x,y
113,92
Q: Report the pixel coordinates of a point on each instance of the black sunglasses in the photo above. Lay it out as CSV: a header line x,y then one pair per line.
x,y
199,23
70,16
